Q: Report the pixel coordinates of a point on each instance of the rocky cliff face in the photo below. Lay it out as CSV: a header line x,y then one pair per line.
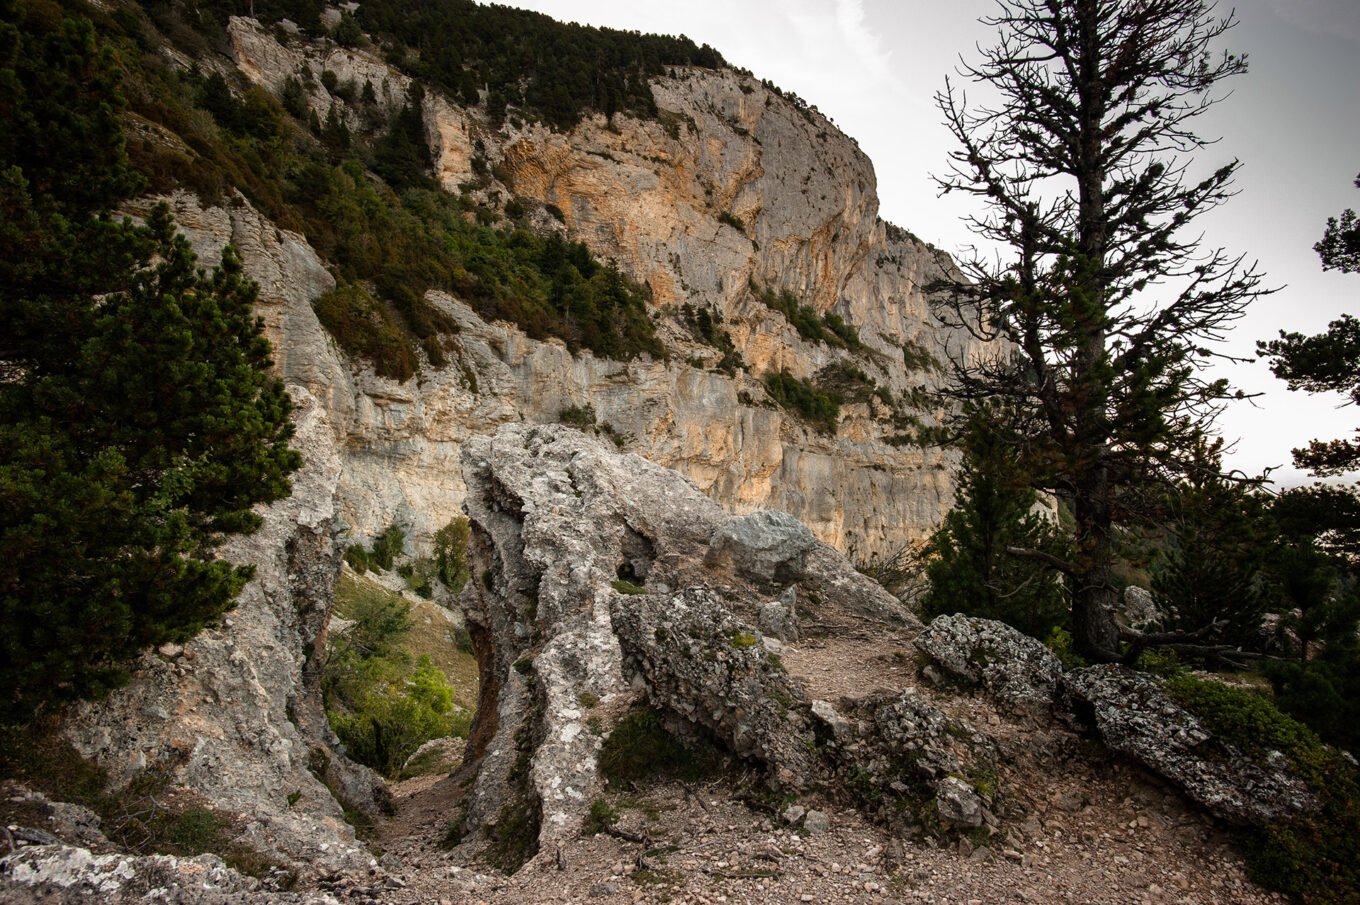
x,y
734,190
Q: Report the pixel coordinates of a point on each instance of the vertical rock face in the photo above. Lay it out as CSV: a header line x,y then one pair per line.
x,y
231,715
733,191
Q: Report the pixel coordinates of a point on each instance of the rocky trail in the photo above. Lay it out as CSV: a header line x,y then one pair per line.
x,y
1096,830
868,758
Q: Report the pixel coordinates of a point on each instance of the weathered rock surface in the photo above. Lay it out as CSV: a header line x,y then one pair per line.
x,y
1012,667
651,195
1134,716
765,547
66,875
1140,609
234,716
556,515
696,659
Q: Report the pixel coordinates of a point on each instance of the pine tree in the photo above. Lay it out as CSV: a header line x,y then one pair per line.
x,y
972,568
138,424
1105,304
1216,547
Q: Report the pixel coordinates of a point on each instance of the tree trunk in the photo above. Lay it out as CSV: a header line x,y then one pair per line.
x,y
1095,634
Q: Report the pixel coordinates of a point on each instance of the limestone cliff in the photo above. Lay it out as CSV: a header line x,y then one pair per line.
x,y
734,190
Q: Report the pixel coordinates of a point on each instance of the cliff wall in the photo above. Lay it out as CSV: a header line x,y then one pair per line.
x,y
733,193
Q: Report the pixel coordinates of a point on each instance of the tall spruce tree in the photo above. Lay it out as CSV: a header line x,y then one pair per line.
x,y
1104,306
138,425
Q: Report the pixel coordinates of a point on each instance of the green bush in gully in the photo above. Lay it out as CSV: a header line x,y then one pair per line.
x,y
381,704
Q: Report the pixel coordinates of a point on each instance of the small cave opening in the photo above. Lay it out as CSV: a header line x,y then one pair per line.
x,y
637,552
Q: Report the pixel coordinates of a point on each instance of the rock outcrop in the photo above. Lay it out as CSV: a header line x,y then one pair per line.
x,y
1135,717
557,516
235,714
569,648
1012,667
57,874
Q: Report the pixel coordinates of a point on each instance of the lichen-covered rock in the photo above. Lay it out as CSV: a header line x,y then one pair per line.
x,y
910,730
1012,667
1135,717
67,875
779,618
958,803
559,518
1140,610
697,660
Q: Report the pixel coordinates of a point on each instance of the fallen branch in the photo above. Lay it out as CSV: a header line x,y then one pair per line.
x,y
617,833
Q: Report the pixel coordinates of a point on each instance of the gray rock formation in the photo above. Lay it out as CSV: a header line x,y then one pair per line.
x,y
696,659
64,875
1140,610
764,547
1012,667
556,514
1134,716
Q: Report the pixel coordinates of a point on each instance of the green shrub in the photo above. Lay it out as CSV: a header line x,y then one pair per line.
x,y
420,574
364,328
380,705
829,329
819,409
581,417
391,719
387,547
967,563
451,553
357,557
1250,721
600,818
1312,856
707,328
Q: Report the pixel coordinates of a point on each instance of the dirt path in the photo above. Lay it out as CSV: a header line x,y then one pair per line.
x,y
1086,828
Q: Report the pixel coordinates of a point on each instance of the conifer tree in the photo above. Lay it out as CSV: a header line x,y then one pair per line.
x,y
971,567
1105,305
138,425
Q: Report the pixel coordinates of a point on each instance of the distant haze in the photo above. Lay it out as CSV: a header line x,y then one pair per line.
x,y
873,66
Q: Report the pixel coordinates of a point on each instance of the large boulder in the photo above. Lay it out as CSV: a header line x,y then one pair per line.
x,y
1012,667
766,547
1135,716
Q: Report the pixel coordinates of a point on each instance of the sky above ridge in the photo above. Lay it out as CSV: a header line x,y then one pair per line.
x,y
873,66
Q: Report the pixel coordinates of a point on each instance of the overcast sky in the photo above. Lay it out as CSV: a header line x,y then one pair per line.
x,y
873,66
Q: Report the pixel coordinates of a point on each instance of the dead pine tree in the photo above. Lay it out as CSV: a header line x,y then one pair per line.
x,y
1104,303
